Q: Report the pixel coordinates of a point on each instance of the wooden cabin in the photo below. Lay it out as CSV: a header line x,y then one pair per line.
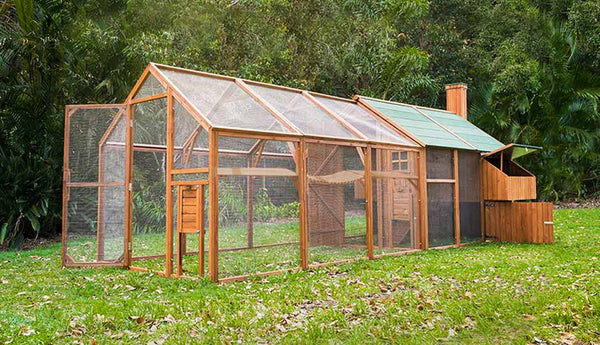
x,y
200,174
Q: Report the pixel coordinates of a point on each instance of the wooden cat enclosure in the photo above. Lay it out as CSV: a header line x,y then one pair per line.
x,y
198,174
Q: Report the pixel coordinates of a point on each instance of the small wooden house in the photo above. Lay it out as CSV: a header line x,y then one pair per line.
x,y
252,178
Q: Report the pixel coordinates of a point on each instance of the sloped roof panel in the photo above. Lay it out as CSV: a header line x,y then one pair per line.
x,y
223,102
465,129
304,114
371,126
418,124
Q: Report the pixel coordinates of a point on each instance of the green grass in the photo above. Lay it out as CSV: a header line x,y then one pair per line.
x,y
483,293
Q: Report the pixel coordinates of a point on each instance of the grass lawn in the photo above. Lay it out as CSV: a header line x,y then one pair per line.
x,y
483,293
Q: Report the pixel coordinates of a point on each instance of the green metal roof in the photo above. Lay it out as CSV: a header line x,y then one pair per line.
x,y
437,127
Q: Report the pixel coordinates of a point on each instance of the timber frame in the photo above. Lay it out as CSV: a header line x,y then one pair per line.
x,y
297,141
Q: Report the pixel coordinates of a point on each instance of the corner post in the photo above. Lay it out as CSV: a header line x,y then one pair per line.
x,y
302,198
424,232
369,201
169,190
213,202
456,200
128,183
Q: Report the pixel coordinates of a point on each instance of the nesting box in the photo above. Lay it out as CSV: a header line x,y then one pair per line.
x,y
506,185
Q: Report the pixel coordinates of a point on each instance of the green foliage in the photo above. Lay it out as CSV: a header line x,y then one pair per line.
x,y
26,195
149,210
532,66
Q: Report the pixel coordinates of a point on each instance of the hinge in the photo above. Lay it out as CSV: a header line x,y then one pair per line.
x,y
131,123
130,186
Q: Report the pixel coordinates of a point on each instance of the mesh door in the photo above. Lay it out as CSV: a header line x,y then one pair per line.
x,y
469,195
395,201
148,187
259,228
95,185
440,197
336,208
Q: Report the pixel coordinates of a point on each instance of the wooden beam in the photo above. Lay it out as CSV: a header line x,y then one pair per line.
x,y
481,200
200,225
128,184
250,204
169,189
440,180
456,200
149,98
256,172
301,170
65,188
423,217
369,201
213,202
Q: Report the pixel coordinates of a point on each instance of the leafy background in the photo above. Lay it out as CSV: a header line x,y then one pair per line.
x,y
533,69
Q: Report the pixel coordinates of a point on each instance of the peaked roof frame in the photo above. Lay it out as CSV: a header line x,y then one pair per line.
x,y
294,133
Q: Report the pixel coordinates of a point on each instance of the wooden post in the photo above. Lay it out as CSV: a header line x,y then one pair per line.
x,y
302,198
250,204
100,220
179,244
380,201
369,201
128,184
65,190
200,225
213,202
169,189
456,200
481,200
423,221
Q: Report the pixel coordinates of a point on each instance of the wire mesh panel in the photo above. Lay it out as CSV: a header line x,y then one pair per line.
x,y
439,163
150,87
440,214
95,180
304,114
148,187
469,195
373,128
190,140
223,102
259,227
440,197
336,208
395,201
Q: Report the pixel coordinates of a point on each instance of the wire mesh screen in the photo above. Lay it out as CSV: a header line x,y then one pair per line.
x,y
439,163
440,197
373,128
95,180
148,187
151,86
259,229
190,140
395,201
469,196
303,113
336,209
223,102
440,214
